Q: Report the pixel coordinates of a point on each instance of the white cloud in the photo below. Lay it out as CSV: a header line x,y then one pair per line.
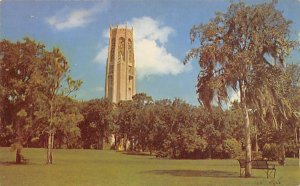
x,y
148,28
67,19
99,89
151,55
152,59
102,56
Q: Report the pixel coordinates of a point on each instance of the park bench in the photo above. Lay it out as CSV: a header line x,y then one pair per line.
x,y
258,164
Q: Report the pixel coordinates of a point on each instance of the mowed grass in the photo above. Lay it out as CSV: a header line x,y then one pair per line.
x,y
93,167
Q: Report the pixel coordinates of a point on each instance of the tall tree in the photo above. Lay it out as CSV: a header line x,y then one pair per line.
x,y
32,78
22,87
56,73
235,51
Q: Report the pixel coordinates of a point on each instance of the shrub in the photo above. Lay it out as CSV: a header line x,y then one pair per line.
x,y
232,148
270,151
292,150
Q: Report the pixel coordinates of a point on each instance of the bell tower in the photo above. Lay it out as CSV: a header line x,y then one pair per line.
x,y
120,79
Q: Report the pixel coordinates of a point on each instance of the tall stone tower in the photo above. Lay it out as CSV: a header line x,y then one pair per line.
x,y
120,65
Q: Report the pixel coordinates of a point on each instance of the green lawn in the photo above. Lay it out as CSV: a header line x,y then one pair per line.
x,y
92,167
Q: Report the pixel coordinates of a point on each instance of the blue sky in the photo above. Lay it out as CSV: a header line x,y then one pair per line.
x,y
161,31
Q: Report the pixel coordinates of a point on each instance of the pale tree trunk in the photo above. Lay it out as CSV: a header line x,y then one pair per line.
x,y
116,143
296,141
296,136
282,154
281,149
49,151
247,129
299,148
248,144
256,141
50,135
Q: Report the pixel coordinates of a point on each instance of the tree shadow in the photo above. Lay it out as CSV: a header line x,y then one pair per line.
x,y
137,153
195,173
9,163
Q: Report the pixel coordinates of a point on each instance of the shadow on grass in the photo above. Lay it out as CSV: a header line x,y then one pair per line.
x,y
195,173
8,163
137,153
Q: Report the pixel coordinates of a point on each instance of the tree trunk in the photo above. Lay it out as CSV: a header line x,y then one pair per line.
x,y
282,154
52,141
50,135
298,147
256,141
18,156
125,144
131,145
100,146
50,146
247,129
174,153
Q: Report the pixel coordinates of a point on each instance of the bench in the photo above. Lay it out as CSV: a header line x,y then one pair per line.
x,y
258,164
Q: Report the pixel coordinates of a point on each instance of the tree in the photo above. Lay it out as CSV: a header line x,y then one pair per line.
x,y
59,82
22,87
31,78
177,129
235,51
66,119
125,121
97,124
143,125
146,131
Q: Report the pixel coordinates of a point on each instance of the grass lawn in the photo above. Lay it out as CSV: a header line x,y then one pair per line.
x,y
93,167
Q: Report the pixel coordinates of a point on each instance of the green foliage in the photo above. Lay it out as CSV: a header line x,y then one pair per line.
x,y
230,42
97,125
66,119
270,151
232,148
31,78
21,68
292,150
